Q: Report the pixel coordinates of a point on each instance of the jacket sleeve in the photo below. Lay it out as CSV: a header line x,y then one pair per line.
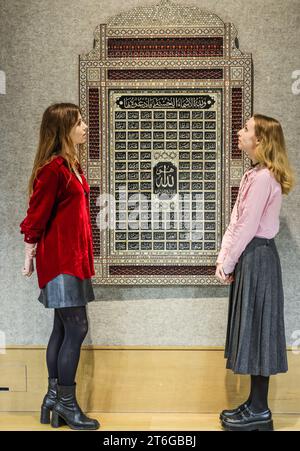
x,y
41,203
246,226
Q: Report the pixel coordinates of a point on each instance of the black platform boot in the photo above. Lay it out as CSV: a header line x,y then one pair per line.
x,y
67,411
49,401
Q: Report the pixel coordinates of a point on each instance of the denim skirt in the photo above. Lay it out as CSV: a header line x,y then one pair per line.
x,y
66,290
255,340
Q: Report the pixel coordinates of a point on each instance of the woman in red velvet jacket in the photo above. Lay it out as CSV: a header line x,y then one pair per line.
x,y
57,231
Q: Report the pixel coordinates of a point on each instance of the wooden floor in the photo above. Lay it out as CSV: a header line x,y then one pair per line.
x,y
29,421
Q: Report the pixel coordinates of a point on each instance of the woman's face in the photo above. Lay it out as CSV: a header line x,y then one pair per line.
x,y
247,139
78,132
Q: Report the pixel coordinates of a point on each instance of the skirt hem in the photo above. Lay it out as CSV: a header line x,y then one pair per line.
x,y
256,372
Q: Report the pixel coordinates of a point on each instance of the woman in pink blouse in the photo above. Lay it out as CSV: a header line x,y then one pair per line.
x,y
249,261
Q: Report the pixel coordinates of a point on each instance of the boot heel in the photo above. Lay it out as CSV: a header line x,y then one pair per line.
x,y
45,415
56,420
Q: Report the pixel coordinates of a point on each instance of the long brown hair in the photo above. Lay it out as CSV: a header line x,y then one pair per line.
x,y
57,122
271,151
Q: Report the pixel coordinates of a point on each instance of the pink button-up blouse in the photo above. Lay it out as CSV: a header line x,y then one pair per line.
x,y
255,214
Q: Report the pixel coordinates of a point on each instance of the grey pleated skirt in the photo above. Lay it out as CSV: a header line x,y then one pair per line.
x,y
255,340
66,291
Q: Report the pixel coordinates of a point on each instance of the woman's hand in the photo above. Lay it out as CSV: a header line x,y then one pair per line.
x,y
221,275
30,252
28,267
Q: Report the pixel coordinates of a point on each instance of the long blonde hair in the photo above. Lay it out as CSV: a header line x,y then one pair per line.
x,y
271,151
57,122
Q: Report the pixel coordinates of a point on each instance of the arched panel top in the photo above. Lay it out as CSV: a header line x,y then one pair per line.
x,y
164,14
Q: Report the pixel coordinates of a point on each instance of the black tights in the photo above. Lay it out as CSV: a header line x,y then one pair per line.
x,y
258,398
69,330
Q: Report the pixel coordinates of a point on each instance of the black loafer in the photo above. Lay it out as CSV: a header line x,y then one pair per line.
x,y
249,421
229,413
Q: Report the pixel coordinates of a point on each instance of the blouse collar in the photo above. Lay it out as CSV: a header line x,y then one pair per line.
x,y
255,164
250,173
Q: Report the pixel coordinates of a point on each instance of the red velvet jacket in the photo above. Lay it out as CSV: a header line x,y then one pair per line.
x,y
58,220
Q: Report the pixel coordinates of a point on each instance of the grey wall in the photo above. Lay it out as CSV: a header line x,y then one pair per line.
x,y
40,43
